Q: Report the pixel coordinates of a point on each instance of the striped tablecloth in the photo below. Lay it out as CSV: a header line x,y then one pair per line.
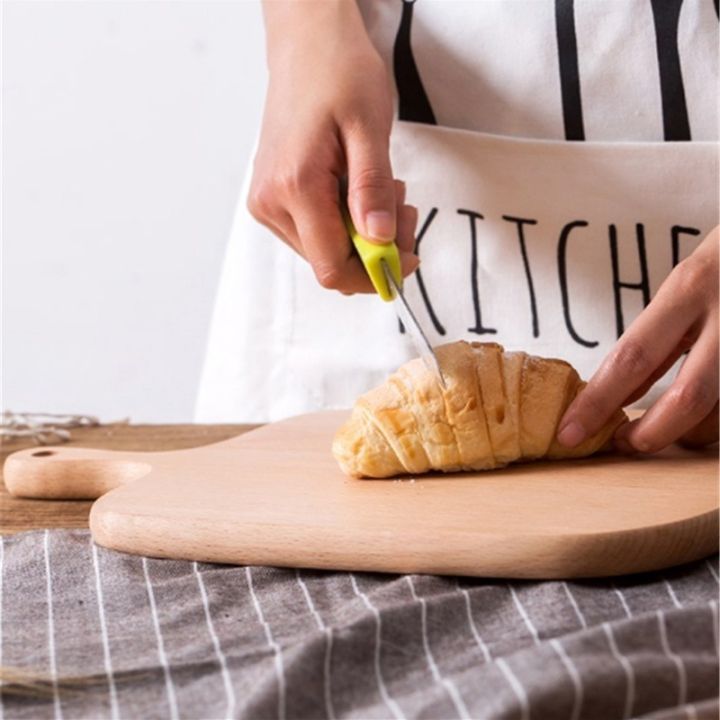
x,y
170,639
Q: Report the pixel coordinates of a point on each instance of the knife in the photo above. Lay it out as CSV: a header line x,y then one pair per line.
x,y
382,264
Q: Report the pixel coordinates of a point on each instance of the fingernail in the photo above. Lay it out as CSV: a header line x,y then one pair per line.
x,y
571,434
380,225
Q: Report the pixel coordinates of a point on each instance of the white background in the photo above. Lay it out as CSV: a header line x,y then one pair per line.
x,y
126,130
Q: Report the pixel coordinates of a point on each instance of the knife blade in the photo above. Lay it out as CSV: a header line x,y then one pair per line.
x,y
382,264
412,326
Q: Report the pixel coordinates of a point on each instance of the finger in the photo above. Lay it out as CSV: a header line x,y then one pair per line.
x,y
408,263
284,229
371,188
684,405
403,216
683,346
406,222
325,242
400,193
263,206
287,232
704,433
638,354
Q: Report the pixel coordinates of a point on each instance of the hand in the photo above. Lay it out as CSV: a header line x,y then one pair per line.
x,y
328,115
682,317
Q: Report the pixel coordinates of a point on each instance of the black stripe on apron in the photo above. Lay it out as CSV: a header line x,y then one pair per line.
x,y
569,72
413,102
413,106
666,14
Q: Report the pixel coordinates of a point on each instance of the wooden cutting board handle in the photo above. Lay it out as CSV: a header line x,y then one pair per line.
x,y
68,473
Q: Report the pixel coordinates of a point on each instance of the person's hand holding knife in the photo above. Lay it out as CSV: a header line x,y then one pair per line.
x,y
328,116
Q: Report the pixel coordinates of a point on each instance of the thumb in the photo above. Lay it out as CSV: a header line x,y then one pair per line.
x,y
371,189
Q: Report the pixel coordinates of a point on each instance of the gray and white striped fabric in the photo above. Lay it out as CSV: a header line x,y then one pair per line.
x,y
171,639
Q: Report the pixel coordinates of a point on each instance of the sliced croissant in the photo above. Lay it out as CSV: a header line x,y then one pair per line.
x,y
496,407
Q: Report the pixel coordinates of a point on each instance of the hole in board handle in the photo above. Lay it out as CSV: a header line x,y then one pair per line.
x,y
43,453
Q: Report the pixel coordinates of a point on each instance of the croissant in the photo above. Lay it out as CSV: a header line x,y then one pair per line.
x,y
496,408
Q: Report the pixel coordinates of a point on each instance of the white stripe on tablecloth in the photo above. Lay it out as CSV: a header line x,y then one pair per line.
x,y
448,684
517,687
471,620
114,710
672,594
576,607
51,629
391,704
229,692
161,647
514,683
328,644
524,615
716,630
279,667
574,676
2,564
626,607
676,659
309,601
712,571
627,669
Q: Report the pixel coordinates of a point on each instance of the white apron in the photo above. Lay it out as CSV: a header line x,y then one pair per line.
x,y
543,245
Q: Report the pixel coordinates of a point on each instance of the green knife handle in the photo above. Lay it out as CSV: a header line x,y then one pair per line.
x,y
372,256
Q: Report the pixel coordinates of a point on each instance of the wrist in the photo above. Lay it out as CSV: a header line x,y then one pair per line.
x,y
297,28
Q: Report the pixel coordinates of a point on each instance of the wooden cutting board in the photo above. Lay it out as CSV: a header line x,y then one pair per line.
x,y
275,496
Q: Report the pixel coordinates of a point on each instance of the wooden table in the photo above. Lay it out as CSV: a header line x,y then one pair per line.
x,y
17,514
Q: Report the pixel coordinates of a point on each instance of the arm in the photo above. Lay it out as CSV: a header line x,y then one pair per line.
x,y
328,115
